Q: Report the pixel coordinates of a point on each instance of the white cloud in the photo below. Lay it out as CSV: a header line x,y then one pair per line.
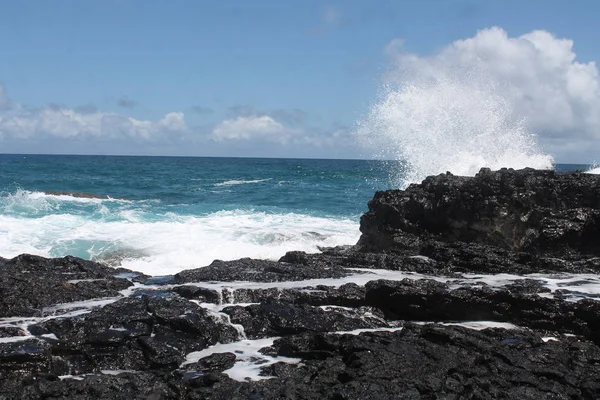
x,y
24,123
556,94
252,127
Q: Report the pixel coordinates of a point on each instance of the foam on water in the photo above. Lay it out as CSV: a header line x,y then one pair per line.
x,y
133,236
595,169
241,182
249,359
475,325
438,118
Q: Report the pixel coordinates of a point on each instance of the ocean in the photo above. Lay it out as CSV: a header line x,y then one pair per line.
x,y
161,215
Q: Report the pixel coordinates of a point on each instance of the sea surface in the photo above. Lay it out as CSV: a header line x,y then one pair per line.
x,y
160,215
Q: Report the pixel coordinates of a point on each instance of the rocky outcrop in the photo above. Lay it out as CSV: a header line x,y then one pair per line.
x,y
482,287
538,212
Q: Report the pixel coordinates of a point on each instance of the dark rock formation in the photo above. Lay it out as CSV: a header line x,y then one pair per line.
x,y
30,283
274,318
247,269
428,300
540,212
147,333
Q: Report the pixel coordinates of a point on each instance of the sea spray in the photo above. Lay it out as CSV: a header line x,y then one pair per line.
x,y
145,237
594,169
437,116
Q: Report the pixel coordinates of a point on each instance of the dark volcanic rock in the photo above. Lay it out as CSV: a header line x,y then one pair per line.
x,y
133,334
350,295
274,318
33,356
30,283
247,269
198,293
140,385
540,212
428,300
430,256
214,363
429,362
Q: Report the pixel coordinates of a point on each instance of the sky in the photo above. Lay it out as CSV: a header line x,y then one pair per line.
x,y
279,78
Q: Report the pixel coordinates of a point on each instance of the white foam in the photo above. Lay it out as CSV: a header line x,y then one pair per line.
x,y
249,360
171,243
74,377
41,200
83,306
437,118
363,330
550,338
115,371
480,325
15,339
241,182
595,170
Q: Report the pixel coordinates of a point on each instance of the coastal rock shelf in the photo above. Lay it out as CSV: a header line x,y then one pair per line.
x,y
485,287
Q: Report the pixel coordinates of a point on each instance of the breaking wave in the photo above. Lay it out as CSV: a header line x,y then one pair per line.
x,y
438,118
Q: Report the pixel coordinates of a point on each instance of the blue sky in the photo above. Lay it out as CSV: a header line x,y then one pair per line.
x,y
256,78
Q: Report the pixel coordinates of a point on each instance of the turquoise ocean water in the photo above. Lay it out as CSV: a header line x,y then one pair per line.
x,y
161,215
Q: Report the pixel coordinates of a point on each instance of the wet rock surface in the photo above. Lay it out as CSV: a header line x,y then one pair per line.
x,y
247,269
30,283
276,318
459,288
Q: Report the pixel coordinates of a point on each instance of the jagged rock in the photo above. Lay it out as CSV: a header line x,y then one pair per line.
x,y
31,356
429,362
247,269
134,334
198,293
214,363
275,318
441,258
30,283
349,294
541,212
126,385
428,300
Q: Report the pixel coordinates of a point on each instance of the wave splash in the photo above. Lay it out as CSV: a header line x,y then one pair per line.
x,y
437,116
594,169
137,236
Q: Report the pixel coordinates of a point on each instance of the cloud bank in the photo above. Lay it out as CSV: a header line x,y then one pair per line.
x,y
22,123
252,127
245,131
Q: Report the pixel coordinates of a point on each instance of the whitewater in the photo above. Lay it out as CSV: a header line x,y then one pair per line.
x,y
161,215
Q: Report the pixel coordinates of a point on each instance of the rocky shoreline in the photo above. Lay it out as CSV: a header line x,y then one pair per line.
x,y
459,288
